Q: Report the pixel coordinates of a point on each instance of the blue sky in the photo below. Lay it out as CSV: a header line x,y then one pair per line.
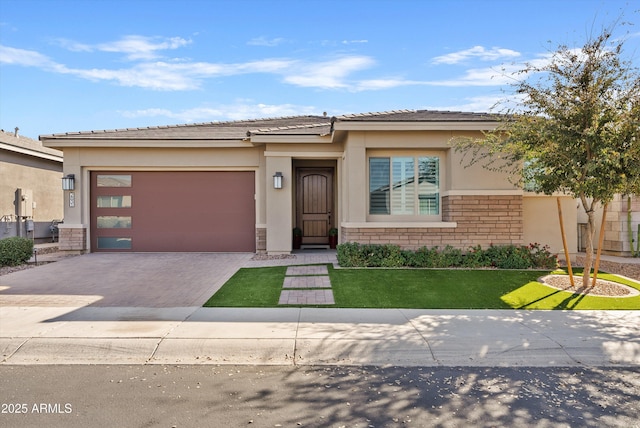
x,y
96,64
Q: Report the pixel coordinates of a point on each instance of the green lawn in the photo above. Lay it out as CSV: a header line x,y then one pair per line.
x,y
421,288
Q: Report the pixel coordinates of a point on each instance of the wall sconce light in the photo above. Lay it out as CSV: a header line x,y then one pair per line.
x,y
277,180
69,182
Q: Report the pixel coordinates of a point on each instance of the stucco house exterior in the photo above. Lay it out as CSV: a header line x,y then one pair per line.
x,y
30,190
243,186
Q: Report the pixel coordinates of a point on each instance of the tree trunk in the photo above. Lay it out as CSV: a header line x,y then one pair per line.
x,y
564,242
629,229
588,257
600,244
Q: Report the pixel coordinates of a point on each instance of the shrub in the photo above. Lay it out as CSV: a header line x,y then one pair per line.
x,y
509,257
449,257
15,251
475,257
541,256
352,254
393,256
423,257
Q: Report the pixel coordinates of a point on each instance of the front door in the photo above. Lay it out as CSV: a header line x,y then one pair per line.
x,y
314,204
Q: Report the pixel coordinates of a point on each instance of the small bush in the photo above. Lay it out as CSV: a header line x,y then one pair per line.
x,y
393,257
476,257
449,257
352,254
423,257
541,256
508,257
15,251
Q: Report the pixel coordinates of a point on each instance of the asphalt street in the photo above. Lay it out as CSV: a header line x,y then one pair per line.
x,y
346,396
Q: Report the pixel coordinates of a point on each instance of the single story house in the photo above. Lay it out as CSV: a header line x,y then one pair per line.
x,y
243,186
30,192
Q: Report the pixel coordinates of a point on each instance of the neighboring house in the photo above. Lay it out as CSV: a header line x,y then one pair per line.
x,y
621,219
388,177
30,188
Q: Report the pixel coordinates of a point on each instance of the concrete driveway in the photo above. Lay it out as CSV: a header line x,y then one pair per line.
x,y
152,280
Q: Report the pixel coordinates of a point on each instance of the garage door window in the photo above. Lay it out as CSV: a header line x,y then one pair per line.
x,y
114,222
114,201
114,243
112,180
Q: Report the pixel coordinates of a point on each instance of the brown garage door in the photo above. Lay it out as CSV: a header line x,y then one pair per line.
x,y
154,211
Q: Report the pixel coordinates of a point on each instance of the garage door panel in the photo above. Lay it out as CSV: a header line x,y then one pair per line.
x,y
183,211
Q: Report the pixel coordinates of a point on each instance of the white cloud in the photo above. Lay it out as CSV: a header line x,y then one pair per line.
x,y
250,111
74,46
186,75
263,41
14,56
480,77
243,109
472,77
152,75
476,104
328,74
379,84
350,42
263,66
157,76
140,47
478,52
135,47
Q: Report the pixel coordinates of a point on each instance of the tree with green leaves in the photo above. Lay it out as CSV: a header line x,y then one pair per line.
x,y
575,128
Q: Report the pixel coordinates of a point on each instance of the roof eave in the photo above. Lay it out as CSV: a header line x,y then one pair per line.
x,y
29,152
61,143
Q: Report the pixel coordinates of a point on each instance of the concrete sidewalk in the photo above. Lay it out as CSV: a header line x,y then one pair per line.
x,y
82,311
318,336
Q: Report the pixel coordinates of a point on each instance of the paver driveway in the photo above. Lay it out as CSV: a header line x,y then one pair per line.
x,y
153,280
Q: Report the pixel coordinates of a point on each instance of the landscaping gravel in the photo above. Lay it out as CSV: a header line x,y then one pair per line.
x,y
601,288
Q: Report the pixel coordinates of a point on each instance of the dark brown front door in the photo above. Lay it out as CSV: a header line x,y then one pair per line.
x,y
315,204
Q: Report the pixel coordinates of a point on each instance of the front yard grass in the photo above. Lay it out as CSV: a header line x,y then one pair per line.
x,y
421,289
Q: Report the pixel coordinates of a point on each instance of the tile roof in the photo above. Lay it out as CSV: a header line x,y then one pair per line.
x,y
232,130
419,116
292,125
306,129
21,143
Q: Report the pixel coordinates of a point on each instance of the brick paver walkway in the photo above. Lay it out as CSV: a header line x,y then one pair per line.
x,y
307,270
307,285
306,297
306,282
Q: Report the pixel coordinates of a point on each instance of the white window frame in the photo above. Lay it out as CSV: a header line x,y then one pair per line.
x,y
407,217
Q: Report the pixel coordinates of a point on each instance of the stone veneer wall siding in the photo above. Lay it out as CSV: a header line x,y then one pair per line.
x,y
481,220
616,230
261,239
72,239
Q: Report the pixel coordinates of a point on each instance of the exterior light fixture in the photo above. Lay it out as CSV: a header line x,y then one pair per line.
x,y
69,182
277,180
